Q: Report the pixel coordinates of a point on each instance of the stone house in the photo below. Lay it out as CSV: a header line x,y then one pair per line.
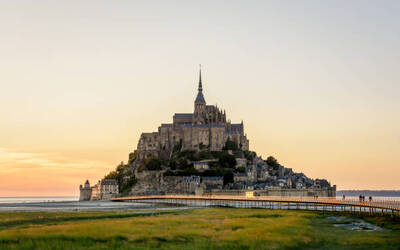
x,y
189,184
251,172
240,177
241,162
96,193
282,182
201,166
108,188
212,182
262,173
103,190
300,185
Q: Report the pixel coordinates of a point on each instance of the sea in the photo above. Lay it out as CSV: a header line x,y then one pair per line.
x,y
35,199
381,198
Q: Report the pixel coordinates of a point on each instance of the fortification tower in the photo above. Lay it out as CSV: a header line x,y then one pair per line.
x,y
85,191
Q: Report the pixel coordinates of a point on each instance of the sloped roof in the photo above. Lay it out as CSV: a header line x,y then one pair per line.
x,y
237,126
109,182
210,107
183,115
200,98
241,174
212,178
204,125
200,162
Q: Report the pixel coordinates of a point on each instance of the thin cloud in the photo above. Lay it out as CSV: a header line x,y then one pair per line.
x,y
20,160
28,173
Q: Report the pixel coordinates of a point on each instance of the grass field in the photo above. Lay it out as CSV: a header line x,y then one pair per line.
x,y
217,228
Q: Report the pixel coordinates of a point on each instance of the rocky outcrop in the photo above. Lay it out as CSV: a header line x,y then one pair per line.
x,y
154,182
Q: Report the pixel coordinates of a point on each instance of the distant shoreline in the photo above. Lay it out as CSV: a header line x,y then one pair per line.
x,y
36,199
41,196
379,193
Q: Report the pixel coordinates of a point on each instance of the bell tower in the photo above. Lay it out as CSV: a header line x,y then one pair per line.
x,y
199,104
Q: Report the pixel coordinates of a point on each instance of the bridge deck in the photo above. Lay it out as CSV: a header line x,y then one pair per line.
x,y
374,206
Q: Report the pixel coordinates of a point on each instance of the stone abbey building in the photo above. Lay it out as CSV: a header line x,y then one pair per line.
x,y
206,127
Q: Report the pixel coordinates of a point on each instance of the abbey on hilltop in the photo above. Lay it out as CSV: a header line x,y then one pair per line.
x,y
202,153
207,127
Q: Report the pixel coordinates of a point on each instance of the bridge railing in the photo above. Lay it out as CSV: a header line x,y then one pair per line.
x,y
383,203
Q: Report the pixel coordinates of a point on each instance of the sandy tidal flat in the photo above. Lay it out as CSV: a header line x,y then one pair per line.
x,y
71,206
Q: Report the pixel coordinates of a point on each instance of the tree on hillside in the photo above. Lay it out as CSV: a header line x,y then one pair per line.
x,y
228,177
132,157
184,164
188,154
118,174
250,155
126,186
203,155
227,161
202,146
112,175
178,147
323,183
273,162
241,169
230,145
152,163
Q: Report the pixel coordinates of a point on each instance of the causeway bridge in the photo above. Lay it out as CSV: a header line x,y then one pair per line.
x,y
383,207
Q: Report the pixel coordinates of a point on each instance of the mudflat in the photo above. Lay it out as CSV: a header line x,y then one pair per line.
x,y
71,206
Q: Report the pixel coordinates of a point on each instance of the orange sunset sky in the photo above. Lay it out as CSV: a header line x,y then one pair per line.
x,y
317,84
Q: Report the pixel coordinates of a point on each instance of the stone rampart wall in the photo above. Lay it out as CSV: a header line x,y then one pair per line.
x,y
325,192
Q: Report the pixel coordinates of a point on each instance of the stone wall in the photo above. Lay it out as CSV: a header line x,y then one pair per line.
x,y
327,192
321,192
149,144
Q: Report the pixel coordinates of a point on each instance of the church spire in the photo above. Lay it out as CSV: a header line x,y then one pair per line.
x,y
200,97
200,83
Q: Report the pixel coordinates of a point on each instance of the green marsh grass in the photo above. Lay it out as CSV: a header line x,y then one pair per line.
x,y
217,228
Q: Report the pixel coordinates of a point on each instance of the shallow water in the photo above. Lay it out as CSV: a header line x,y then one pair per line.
x,y
354,224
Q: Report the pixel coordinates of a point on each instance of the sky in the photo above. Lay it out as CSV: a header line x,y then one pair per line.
x,y
317,84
